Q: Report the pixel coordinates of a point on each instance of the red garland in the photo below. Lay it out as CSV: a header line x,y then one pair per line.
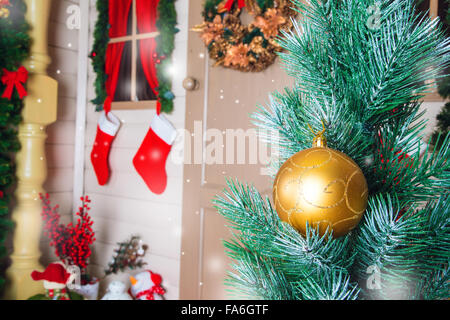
x,y
14,79
229,4
72,243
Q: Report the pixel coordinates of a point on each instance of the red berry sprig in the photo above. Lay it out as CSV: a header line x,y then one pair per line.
x,y
72,242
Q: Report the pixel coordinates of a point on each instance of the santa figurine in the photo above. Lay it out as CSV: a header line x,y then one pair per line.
x,y
147,286
55,279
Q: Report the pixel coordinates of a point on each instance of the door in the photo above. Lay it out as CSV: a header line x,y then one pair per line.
x,y
214,114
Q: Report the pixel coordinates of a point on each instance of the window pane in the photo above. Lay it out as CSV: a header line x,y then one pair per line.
x,y
143,90
123,90
130,23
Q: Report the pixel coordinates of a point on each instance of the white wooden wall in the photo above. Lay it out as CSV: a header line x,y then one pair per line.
x,y
125,206
63,50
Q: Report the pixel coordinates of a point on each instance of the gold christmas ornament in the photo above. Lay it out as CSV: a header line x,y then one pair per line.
x,y
322,187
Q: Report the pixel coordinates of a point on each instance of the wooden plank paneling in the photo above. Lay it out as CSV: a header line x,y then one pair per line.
x,y
63,59
60,180
64,38
59,156
61,132
153,215
162,242
131,186
64,200
67,108
58,12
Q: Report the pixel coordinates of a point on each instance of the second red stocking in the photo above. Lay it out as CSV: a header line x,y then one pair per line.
x,y
150,160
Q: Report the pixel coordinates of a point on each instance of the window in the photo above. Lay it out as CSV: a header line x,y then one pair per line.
x,y
135,44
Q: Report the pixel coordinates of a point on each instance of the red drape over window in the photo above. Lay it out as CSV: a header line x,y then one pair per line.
x,y
147,14
118,19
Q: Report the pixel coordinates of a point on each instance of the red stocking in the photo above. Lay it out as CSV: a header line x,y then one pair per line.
x,y
150,160
107,128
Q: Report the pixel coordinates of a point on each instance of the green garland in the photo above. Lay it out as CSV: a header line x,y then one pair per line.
x,y
166,25
98,54
14,49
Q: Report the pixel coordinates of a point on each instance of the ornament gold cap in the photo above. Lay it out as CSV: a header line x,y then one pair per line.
x,y
319,140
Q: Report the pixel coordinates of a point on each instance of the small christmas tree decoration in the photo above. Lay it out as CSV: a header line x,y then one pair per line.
x,y
321,187
128,255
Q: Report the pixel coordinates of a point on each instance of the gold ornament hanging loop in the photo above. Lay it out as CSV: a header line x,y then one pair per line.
x,y
320,141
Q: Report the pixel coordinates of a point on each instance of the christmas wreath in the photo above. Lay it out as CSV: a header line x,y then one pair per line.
x,y
241,47
166,26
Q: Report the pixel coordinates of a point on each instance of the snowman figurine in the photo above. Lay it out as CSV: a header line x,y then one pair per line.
x,y
147,286
117,291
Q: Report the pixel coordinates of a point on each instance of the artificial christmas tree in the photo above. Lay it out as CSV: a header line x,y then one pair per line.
x,y
363,75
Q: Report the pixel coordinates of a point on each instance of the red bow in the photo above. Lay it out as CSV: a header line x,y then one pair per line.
x,y
14,79
229,4
149,294
158,290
